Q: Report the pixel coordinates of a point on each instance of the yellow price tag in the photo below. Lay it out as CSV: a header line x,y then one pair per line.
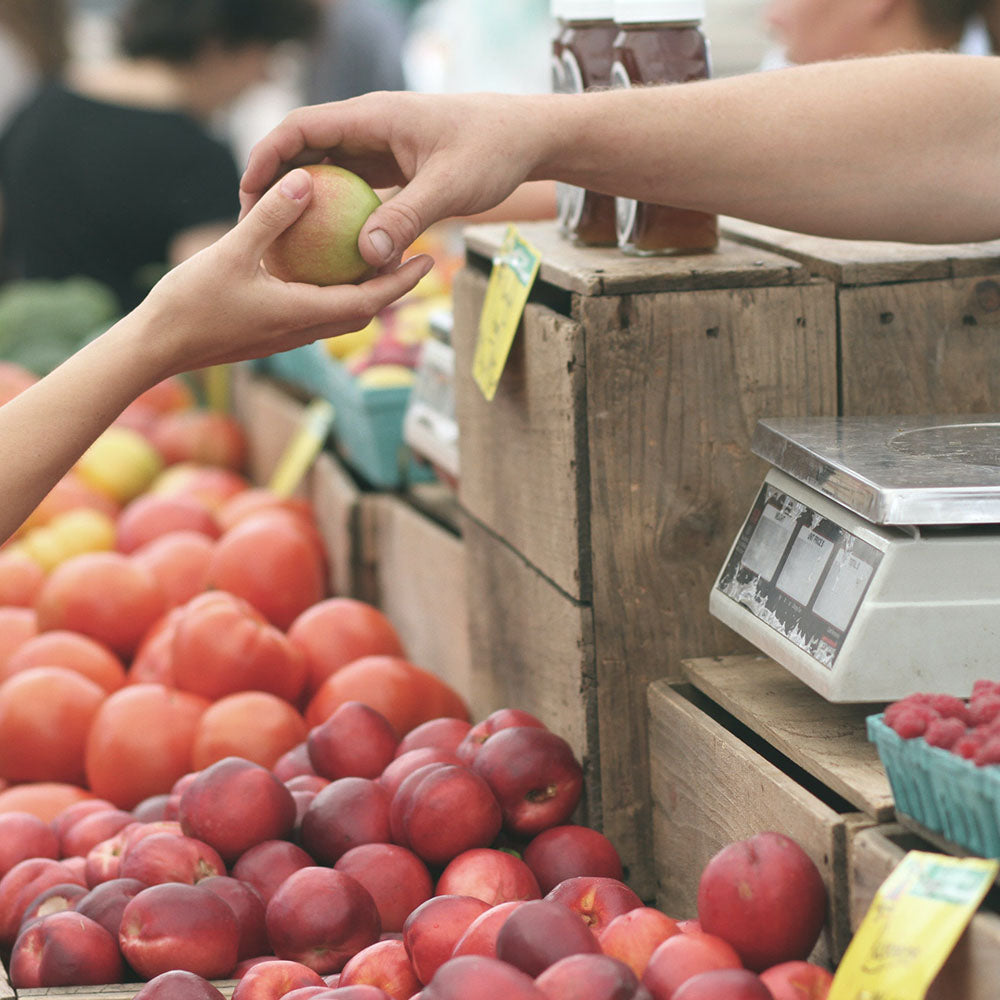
x,y
514,271
306,444
912,926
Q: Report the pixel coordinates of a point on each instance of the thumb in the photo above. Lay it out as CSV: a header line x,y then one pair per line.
x,y
279,207
398,221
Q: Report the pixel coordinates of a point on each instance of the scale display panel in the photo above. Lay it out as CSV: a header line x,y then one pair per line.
x,y
799,573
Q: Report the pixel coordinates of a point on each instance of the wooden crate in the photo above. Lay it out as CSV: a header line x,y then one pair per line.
x,y
114,991
745,747
614,463
917,324
972,971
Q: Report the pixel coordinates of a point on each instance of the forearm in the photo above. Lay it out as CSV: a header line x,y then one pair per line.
x,y
906,147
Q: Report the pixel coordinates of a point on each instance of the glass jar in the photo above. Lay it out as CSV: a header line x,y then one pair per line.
x,y
661,42
588,217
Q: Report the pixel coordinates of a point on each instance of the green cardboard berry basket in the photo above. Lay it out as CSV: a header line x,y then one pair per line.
x,y
940,790
368,422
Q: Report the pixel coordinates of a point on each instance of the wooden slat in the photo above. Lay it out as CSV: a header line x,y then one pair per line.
x,y
709,789
828,741
601,271
114,991
337,500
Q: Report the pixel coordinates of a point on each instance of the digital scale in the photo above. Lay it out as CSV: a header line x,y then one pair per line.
x,y
869,563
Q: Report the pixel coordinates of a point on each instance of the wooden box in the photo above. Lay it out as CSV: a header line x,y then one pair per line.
x,y
614,466
918,324
744,747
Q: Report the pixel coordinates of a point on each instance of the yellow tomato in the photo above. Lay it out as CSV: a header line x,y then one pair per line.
x,y
69,534
120,463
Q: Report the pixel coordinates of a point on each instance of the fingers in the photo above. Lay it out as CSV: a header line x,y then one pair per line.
x,y
279,207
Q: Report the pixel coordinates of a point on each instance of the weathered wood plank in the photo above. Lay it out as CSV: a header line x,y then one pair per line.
x,y
828,741
337,500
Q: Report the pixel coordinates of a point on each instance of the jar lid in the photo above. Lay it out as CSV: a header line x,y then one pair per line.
x,y
586,10
638,11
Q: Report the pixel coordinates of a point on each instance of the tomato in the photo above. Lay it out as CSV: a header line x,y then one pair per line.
x,y
105,595
179,561
153,662
222,645
150,516
140,742
21,579
61,648
44,799
269,560
17,625
199,435
45,715
339,630
259,498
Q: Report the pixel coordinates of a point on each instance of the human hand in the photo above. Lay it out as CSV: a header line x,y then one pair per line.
x,y
221,305
449,155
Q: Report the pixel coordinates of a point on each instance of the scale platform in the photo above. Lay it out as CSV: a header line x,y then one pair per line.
x,y
869,562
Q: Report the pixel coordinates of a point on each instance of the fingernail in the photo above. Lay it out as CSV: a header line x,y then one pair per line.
x,y
426,265
381,243
295,184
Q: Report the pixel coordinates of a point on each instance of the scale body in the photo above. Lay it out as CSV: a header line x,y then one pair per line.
x,y
869,563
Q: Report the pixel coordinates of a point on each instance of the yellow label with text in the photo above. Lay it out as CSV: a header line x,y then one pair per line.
x,y
514,271
912,926
305,445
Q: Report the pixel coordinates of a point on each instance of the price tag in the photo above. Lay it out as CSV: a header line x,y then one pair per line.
x,y
306,444
514,271
912,926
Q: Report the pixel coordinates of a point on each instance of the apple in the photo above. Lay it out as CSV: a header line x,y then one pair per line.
x,y
723,984
106,902
766,897
345,814
24,835
596,900
235,804
170,857
442,734
563,852
597,977
432,930
396,878
502,718
21,885
797,980
274,978
322,937
178,984
490,875
683,956
400,768
471,976
355,741
248,906
535,776
321,246
541,932
480,937
179,926
633,937
267,865
65,949
384,964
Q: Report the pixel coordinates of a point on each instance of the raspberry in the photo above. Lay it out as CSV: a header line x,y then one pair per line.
x,y
967,745
984,708
912,721
944,732
988,753
949,707
912,702
985,687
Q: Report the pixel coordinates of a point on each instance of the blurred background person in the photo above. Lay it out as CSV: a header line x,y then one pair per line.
x,y
33,47
115,172
810,31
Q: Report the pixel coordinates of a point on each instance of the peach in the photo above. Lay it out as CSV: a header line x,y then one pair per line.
x,y
355,741
274,978
179,926
598,977
106,902
480,938
235,804
322,937
597,900
170,857
477,976
535,776
397,770
797,980
563,852
633,937
396,878
177,984
683,956
248,906
540,933
384,964
766,897
432,930
439,734
502,718
444,790
348,812
65,949
21,885
267,865
490,875
24,835
723,984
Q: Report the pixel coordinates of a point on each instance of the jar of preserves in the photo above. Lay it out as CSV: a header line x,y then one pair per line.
x,y
661,42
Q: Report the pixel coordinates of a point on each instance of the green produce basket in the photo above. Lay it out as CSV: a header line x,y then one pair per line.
x,y
940,790
368,422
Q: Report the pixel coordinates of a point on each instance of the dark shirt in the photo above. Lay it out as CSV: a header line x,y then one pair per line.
x,y
100,189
